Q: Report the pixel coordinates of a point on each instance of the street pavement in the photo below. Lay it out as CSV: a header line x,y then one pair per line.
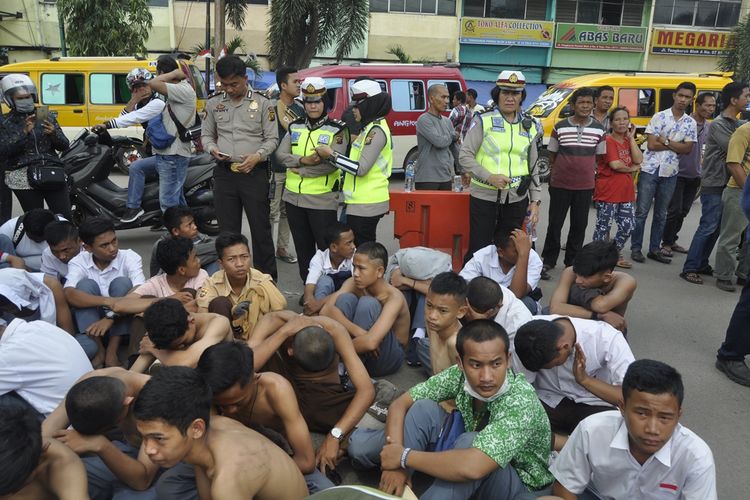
x,y
668,319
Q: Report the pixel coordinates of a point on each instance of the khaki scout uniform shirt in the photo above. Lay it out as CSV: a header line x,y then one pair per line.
x,y
242,128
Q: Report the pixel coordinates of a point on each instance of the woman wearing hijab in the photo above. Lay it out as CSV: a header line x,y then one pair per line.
x,y
368,166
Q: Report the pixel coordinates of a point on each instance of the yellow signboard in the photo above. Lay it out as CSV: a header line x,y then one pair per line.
x,y
487,31
691,43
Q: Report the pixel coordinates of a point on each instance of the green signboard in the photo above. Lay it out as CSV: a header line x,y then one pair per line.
x,y
600,37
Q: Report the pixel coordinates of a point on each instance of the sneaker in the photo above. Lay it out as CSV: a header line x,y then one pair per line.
x,y
131,214
735,370
725,285
637,256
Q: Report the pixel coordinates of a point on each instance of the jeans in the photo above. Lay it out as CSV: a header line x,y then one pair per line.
x,y
733,224
679,207
104,485
705,235
363,312
85,317
658,191
736,343
422,427
622,214
172,170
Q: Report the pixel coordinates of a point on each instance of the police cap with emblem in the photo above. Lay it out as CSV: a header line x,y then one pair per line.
x,y
511,80
313,89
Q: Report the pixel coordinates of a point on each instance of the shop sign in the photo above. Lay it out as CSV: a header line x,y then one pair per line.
x,y
600,37
486,31
690,43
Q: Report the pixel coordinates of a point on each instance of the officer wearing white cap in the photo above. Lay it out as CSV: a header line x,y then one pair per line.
x,y
499,153
368,166
311,190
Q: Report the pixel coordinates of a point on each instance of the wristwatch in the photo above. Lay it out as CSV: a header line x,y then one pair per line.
x,y
666,141
110,314
337,433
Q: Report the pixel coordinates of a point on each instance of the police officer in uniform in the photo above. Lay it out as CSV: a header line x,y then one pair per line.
x,y
368,166
240,132
311,190
499,153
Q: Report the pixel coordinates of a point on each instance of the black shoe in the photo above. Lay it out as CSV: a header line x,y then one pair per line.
x,y
659,257
736,371
546,276
637,256
131,214
725,285
706,271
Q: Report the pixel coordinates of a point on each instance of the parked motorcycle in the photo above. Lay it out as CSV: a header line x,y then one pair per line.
x,y
127,150
89,162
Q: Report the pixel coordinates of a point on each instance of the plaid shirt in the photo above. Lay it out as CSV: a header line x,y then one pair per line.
x,y
461,117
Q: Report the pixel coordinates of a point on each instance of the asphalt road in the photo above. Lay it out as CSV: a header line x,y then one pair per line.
x,y
669,320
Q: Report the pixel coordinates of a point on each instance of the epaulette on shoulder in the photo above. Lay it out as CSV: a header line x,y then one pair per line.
x,y
257,93
486,111
299,119
220,93
337,123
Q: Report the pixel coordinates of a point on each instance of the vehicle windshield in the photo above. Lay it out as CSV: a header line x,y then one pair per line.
x,y
548,101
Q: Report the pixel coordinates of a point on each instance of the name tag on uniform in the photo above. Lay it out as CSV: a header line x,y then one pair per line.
x,y
323,139
523,133
295,136
498,123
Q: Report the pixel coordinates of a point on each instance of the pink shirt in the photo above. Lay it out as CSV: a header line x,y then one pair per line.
x,y
158,286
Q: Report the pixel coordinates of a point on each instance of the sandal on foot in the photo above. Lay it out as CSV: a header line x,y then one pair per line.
x,y
666,251
679,249
693,278
624,264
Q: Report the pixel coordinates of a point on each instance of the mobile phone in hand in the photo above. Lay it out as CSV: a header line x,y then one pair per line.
x,y
223,155
42,113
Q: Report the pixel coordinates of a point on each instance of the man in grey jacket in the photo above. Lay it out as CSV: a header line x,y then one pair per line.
x,y
435,136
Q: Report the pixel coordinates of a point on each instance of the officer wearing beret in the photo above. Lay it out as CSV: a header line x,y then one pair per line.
x,y
240,132
499,153
311,191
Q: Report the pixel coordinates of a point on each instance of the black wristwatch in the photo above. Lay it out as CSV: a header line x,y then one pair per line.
x,y
595,315
110,314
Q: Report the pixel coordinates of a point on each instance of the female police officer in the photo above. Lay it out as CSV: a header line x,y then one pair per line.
x,y
311,189
368,166
499,153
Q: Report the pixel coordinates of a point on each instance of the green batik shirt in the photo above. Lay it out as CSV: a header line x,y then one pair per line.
x,y
518,431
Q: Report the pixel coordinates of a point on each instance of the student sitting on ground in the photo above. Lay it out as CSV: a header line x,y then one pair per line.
x,y
173,415
308,351
176,337
33,467
592,289
63,244
239,292
641,450
96,280
329,268
180,223
23,237
373,312
512,263
488,300
260,399
575,365
499,439
445,305
183,275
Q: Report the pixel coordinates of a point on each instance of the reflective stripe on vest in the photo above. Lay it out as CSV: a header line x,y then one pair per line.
x,y
304,142
373,187
505,149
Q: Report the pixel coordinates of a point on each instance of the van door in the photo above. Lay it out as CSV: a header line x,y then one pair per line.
x,y
65,94
640,102
108,95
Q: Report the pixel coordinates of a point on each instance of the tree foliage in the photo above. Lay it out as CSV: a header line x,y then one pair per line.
x,y
298,29
400,54
736,58
235,13
106,27
235,46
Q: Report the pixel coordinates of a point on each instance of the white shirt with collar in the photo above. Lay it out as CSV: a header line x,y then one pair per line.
x,y
512,315
54,267
40,362
26,246
486,262
682,469
127,264
321,264
25,289
608,356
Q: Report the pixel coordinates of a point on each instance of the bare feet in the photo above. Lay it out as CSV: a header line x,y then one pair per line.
x,y
112,361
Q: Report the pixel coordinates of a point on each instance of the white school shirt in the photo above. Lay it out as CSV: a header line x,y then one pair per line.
x,y
54,267
320,264
26,246
608,356
25,289
486,262
512,315
127,263
40,362
597,456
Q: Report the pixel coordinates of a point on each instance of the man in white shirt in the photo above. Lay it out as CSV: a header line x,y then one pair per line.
x,y
39,362
575,365
23,237
512,263
471,102
63,244
96,279
641,451
329,268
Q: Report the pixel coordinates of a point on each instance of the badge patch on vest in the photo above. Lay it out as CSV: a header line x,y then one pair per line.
x,y
523,133
253,106
271,114
369,137
498,123
295,136
339,139
323,139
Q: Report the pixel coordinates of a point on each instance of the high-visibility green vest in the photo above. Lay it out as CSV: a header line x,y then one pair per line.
x,y
373,187
505,148
304,142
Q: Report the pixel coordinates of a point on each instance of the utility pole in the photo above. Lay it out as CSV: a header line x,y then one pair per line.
x,y
219,25
208,46
61,23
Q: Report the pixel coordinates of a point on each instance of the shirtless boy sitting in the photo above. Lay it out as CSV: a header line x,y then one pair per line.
x,y
592,289
173,416
35,468
374,312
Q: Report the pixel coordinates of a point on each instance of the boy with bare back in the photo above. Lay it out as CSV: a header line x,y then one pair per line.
x,y
173,416
374,312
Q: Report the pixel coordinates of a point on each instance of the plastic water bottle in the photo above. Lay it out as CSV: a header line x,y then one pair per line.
x,y
458,185
529,227
409,177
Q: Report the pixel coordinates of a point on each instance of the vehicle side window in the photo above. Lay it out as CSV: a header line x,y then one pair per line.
x,y
640,102
60,88
452,85
198,83
666,99
408,95
383,86
106,88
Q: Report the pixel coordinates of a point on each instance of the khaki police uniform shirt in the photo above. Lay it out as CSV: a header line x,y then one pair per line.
x,y
240,128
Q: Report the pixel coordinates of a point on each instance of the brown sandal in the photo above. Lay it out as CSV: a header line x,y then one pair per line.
x,y
693,278
666,251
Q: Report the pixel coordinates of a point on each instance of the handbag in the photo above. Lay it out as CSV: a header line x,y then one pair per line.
x,y
45,173
452,428
157,133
